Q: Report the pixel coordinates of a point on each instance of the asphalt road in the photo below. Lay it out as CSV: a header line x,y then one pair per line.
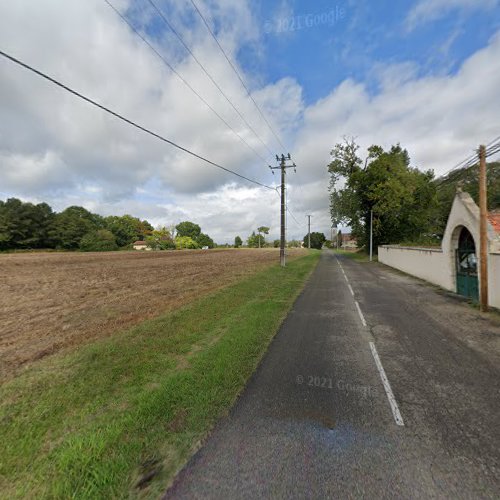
x,y
316,420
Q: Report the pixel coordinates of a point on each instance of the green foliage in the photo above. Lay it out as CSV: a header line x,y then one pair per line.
x,y
253,240
72,224
185,242
238,242
160,239
403,199
276,243
101,240
189,229
204,240
24,225
263,229
467,179
294,244
317,240
128,229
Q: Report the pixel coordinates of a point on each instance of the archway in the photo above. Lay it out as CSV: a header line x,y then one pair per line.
x,y
466,266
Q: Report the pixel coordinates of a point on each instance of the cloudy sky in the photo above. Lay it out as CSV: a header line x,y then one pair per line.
x,y
424,73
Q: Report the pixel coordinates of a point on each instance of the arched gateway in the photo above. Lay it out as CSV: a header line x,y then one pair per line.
x,y
466,265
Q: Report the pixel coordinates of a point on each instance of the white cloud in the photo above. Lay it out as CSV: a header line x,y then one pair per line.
x,y
431,10
54,148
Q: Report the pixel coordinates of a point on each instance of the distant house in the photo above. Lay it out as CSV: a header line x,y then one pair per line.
x,y
141,245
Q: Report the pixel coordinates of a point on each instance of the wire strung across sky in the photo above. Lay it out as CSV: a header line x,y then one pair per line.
x,y
126,120
492,148
183,80
212,79
237,74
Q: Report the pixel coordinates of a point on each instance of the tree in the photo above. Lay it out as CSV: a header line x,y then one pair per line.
x,y
69,226
276,243
160,239
24,225
317,240
189,229
183,242
262,230
204,240
101,240
402,198
128,229
237,242
255,240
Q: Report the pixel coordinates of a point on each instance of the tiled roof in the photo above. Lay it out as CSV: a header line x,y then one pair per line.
x,y
494,219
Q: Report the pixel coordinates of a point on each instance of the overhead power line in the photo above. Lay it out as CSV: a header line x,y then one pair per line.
x,y
183,80
233,66
493,147
212,79
126,120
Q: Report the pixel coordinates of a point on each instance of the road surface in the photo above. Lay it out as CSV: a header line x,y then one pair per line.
x,y
377,385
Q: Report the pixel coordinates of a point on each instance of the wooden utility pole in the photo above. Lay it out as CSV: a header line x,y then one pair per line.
x,y
483,230
309,232
283,166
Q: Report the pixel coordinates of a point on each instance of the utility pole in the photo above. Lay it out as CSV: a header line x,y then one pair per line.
x,y
309,231
483,229
371,235
282,161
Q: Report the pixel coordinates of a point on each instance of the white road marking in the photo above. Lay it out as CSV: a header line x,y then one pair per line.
x,y
390,395
360,313
351,290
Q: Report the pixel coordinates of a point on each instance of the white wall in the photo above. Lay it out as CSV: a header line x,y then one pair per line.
x,y
494,279
424,263
434,266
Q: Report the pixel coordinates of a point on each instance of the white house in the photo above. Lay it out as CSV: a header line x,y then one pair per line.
x,y
455,265
141,245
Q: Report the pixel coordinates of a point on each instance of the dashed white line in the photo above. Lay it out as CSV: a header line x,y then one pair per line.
x,y
360,313
390,395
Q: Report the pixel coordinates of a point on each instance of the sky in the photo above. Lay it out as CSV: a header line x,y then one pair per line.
x,y
423,73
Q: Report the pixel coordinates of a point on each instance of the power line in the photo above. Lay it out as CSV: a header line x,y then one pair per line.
x,y
183,80
237,73
166,21
126,120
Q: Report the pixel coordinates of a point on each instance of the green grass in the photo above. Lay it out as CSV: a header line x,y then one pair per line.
x,y
93,423
360,255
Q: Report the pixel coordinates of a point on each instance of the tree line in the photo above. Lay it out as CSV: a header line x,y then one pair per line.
x,y
25,225
408,205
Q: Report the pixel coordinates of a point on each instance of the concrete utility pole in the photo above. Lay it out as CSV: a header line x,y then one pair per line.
x,y
309,231
283,166
483,229
371,235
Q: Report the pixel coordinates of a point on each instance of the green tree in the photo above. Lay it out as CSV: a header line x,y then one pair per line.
x,y
24,225
160,239
403,199
69,226
276,243
255,240
128,229
203,240
317,240
101,240
185,242
237,242
189,229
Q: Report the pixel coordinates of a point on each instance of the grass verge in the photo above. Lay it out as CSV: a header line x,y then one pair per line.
x,y
119,417
360,255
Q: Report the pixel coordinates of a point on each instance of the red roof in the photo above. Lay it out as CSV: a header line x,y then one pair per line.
x,y
494,219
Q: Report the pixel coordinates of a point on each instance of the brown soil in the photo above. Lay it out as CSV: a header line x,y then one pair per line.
x,y
55,301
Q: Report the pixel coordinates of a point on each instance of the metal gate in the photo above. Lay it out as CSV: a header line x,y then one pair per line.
x,y
466,262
